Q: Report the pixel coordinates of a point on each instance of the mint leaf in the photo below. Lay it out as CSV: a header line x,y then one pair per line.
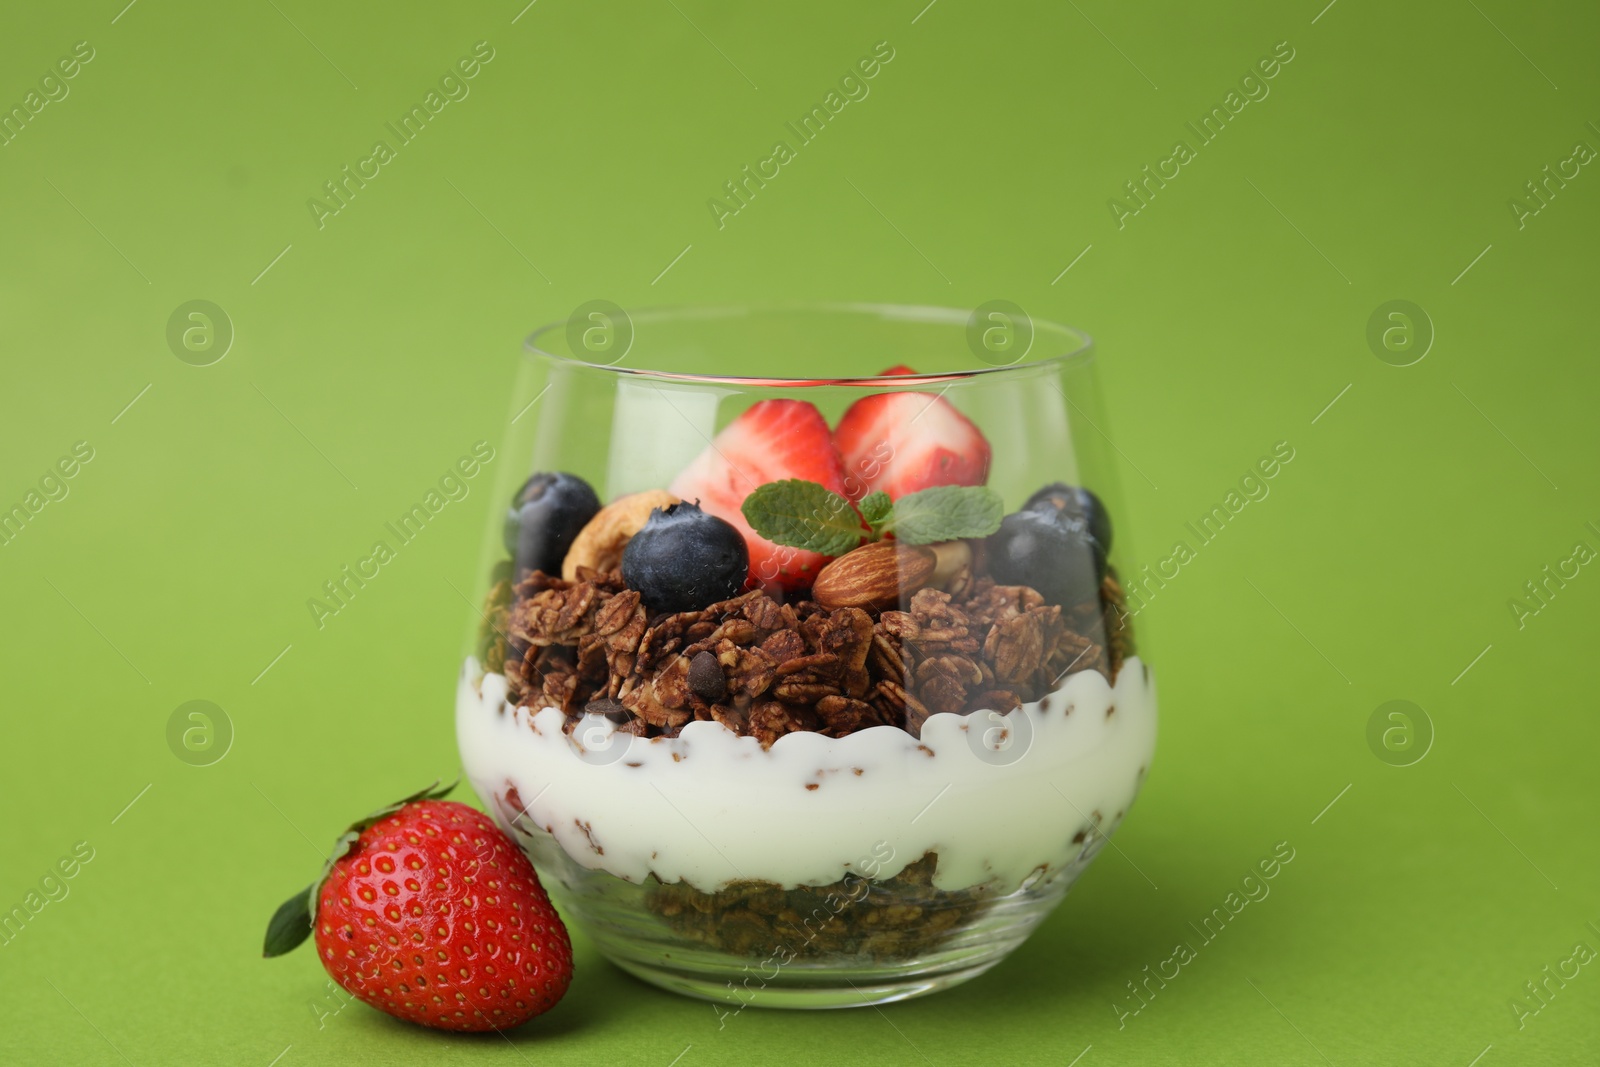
x,y
876,507
945,513
802,514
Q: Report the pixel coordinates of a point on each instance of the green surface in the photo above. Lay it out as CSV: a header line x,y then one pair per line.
x,y
1230,311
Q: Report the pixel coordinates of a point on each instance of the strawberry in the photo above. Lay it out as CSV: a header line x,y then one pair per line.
x,y
903,442
428,912
773,440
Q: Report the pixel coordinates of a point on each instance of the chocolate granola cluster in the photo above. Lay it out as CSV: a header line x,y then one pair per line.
x,y
764,668
888,918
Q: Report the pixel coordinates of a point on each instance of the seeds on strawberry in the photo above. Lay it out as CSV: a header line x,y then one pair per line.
x,y
433,915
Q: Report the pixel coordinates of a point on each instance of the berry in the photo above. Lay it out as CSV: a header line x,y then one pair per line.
x,y
545,516
903,442
1047,549
773,440
685,558
1077,504
894,371
435,916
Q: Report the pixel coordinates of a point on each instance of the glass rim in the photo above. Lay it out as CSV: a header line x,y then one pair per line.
x,y
1081,350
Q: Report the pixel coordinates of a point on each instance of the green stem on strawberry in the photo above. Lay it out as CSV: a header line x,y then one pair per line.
x,y
292,922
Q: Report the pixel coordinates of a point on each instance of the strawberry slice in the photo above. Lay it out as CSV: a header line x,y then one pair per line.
x,y
903,442
775,439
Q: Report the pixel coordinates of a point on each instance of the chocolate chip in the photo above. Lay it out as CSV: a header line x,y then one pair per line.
x,y
706,678
609,708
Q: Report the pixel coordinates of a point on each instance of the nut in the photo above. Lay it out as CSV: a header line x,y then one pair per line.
x,y
600,543
953,571
874,576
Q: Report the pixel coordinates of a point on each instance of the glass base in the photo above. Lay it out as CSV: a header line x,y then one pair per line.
x,y
855,943
843,992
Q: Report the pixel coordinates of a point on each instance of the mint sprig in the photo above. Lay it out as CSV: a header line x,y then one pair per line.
x,y
876,508
945,513
805,515
802,514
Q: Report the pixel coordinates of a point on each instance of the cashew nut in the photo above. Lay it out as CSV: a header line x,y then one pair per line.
x,y
600,543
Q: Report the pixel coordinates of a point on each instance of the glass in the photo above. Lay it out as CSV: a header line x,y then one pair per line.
x,y
817,773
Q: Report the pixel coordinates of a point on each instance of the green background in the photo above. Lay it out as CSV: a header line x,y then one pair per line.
x,y
1229,312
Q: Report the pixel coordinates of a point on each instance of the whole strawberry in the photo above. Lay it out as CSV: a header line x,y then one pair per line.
x,y
428,912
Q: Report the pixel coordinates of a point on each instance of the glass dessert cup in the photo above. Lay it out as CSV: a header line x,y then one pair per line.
x,y
815,689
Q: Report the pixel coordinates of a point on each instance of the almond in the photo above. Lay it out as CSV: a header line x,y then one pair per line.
x,y
875,576
601,541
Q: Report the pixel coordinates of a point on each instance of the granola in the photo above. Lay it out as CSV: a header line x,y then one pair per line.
x,y
764,667
894,918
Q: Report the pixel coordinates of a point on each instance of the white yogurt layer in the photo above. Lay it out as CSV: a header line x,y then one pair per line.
x,y
998,797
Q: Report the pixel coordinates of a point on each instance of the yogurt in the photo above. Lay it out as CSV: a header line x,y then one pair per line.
x,y
999,798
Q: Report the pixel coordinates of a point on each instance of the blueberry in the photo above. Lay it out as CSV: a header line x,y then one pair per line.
x,y
1051,550
546,514
684,559
1078,504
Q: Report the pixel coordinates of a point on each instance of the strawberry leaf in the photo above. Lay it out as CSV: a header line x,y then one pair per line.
x,y
945,513
802,514
290,925
875,509
431,792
